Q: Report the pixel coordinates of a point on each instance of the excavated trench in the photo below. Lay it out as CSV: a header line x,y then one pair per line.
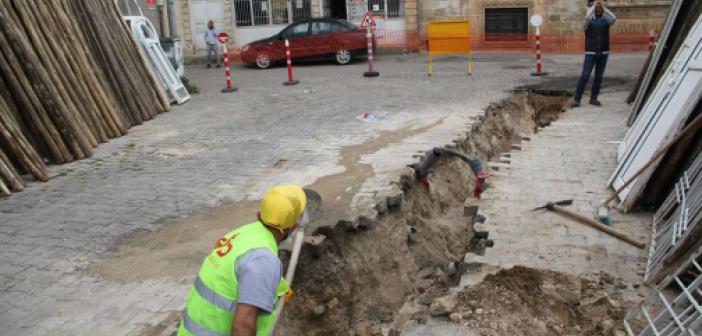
x,y
354,278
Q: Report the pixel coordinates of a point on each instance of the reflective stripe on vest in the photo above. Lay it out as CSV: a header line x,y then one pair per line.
x,y
212,300
195,328
214,297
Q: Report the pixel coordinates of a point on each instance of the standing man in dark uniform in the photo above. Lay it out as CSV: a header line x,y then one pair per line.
x,y
597,23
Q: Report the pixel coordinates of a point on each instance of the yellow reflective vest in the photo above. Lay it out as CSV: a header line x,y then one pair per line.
x,y
213,297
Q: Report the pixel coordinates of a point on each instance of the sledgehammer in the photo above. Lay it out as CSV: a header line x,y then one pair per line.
x,y
593,223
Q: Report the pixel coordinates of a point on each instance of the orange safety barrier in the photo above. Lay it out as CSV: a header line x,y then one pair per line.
x,y
516,43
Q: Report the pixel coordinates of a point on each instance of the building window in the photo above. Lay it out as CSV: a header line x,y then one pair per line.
x,y
267,12
391,9
395,9
376,6
506,24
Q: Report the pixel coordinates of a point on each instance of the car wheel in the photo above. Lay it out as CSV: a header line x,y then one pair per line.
x,y
263,61
343,57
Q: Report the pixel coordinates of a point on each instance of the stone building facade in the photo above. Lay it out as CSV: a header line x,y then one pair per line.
x,y
562,17
493,22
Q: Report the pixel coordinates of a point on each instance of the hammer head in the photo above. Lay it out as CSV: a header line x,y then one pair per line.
x,y
550,205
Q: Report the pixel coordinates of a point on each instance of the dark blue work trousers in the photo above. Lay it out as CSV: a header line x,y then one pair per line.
x,y
599,62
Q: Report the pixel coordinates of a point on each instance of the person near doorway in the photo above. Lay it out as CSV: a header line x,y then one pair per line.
x,y
597,23
212,43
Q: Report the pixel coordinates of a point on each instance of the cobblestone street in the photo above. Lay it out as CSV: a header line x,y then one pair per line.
x,y
79,252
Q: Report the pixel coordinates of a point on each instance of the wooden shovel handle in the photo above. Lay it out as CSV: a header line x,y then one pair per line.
x,y
597,225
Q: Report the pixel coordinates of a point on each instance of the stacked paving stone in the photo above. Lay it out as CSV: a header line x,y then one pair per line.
x,y
72,77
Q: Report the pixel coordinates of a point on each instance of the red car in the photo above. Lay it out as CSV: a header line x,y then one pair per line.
x,y
335,39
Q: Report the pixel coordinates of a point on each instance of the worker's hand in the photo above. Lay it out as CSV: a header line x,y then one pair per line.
x,y
288,296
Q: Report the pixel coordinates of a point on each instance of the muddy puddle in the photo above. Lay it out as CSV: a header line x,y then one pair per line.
x,y
176,250
338,190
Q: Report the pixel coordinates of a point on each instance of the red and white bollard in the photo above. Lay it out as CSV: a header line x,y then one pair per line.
x,y
539,69
651,40
288,56
370,72
227,74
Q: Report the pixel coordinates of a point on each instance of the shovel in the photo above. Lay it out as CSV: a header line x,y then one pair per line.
x,y
313,212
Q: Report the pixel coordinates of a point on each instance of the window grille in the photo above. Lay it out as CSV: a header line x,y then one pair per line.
x,y
506,24
301,9
395,9
266,12
376,6
280,11
243,13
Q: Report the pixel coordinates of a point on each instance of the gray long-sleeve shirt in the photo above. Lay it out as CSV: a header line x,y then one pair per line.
x,y
211,36
608,16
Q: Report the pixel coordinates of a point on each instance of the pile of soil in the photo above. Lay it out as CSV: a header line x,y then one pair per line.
x,y
528,302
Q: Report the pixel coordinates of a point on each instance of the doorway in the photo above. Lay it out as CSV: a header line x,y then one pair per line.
x,y
338,9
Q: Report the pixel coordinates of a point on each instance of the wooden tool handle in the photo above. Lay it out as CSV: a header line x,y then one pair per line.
x,y
597,225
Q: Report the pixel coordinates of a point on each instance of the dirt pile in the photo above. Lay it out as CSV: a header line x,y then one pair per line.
x,y
527,302
354,275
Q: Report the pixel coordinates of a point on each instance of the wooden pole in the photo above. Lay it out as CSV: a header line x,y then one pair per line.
x,y
18,145
54,70
31,105
154,83
109,62
9,173
89,71
41,82
127,59
75,89
597,225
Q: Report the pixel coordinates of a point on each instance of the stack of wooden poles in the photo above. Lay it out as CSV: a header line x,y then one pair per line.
x,y
71,77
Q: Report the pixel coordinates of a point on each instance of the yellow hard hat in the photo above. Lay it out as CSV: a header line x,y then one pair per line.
x,y
282,206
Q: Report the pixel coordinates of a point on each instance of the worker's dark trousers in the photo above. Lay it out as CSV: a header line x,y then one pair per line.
x,y
599,62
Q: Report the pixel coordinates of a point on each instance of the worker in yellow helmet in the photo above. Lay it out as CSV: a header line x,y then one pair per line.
x,y
241,280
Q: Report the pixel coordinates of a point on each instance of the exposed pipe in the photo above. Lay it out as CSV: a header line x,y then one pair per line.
x,y
432,155
419,17
170,9
436,152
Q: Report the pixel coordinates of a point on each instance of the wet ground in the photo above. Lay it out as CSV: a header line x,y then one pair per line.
x,y
111,243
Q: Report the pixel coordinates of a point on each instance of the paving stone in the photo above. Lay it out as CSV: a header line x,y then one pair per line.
x,y
219,149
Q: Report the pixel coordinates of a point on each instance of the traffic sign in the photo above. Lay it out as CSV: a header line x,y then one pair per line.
x,y
536,20
368,21
223,37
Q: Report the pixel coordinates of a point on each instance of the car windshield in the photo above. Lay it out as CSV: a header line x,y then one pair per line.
x,y
348,24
